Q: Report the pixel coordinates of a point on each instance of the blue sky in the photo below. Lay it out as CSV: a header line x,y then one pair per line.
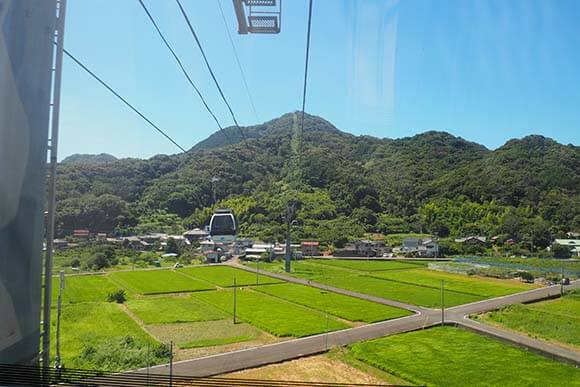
x,y
484,70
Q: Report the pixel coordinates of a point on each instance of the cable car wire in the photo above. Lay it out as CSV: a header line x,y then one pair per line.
x,y
104,84
305,73
238,60
180,64
210,69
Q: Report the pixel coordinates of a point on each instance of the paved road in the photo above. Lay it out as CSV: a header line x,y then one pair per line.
x,y
291,349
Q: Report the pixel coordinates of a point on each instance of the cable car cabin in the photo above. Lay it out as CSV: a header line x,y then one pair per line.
x,y
222,226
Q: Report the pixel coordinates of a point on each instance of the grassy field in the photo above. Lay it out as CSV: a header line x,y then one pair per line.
x,y
158,282
415,285
90,333
455,357
554,320
173,309
83,288
348,308
276,316
224,276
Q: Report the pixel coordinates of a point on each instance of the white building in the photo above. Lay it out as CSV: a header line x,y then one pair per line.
x,y
423,247
572,244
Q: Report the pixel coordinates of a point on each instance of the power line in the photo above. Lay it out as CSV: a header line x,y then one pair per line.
x,y
305,72
103,83
238,60
180,64
210,69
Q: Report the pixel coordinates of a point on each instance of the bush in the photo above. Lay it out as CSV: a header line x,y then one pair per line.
x,y
97,262
560,251
124,353
117,296
525,276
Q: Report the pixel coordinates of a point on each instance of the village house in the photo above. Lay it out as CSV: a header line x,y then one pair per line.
x,y
309,248
572,244
135,243
472,240
422,247
195,235
81,234
206,246
368,248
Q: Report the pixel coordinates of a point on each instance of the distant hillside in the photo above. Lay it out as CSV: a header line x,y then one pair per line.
x,y
345,184
77,158
283,125
519,171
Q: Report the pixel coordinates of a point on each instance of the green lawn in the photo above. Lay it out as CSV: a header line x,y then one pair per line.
x,y
91,331
224,276
83,288
477,286
278,317
369,265
455,357
555,320
348,308
172,309
158,282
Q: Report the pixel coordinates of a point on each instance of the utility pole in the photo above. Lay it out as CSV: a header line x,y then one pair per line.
x,y
148,361
235,300
326,334
53,147
442,302
171,364
57,363
213,181
289,218
561,279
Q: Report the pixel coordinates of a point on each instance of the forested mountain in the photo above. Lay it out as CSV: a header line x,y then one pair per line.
x,y
344,185
89,159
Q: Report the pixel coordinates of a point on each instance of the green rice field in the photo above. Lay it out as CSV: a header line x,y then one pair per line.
x,y
406,282
370,265
205,333
223,276
348,308
278,317
447,356
173,309
158,282
555,320
83,288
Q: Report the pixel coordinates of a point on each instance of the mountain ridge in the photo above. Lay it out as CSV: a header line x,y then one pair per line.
x,y
362,178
